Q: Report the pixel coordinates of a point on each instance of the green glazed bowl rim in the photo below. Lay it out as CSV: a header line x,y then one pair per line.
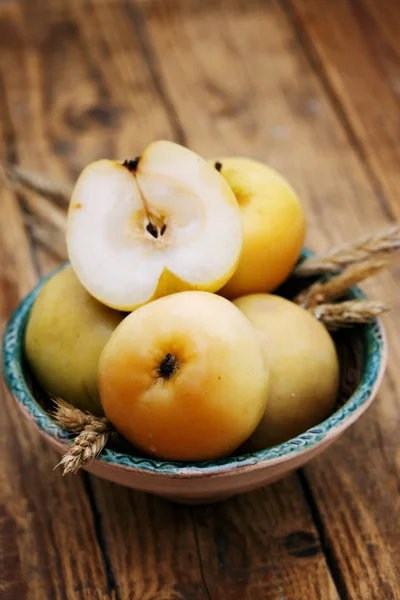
x,y
13,369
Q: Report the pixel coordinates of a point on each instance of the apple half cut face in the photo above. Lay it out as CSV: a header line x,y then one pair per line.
x,y
162,223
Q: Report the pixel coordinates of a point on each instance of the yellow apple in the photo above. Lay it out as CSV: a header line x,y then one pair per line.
x,y
162,223
273,226
66,332
303,364
184,377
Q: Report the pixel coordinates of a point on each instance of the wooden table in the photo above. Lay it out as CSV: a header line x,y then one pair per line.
x,y
313,88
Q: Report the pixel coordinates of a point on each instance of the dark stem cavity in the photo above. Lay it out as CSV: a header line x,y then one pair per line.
x,y
218,166
131,165
168,366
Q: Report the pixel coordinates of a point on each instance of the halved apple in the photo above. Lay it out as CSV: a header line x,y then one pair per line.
x,y
162,223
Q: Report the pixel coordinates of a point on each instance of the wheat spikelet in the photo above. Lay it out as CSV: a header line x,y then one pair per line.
x,y
86,446
69,417
93,433
323,291
345,314
379,244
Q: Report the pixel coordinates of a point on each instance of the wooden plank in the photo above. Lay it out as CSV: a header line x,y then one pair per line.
x,y
355,53
245,542
250,95
260,546
89,93
48,545
355,47
155,549
152,545
242,84
358,507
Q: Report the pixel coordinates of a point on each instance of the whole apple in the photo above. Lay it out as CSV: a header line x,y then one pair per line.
x,y
66,332
303,363
184,377
273,226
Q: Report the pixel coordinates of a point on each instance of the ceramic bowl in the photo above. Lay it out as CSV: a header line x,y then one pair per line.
x,y
362,352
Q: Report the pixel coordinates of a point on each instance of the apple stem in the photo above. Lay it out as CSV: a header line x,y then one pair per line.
x,y
153,229
131,165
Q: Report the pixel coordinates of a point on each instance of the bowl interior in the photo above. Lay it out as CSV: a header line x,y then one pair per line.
x,y
361,355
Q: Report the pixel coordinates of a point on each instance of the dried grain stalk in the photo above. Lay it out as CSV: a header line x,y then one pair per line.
x,y
379,244
325,291
346,314
24,179
93,434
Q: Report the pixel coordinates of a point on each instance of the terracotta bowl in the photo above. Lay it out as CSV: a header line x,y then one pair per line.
x,y
362,352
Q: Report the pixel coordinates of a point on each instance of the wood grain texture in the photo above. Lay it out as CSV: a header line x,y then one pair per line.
x,y
245,542
255,546
354,44
84,80
353,48
48,546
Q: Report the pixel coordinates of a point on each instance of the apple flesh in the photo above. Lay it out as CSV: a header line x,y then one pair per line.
x,y
273,226
162,223
184,377
66,333
303,363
